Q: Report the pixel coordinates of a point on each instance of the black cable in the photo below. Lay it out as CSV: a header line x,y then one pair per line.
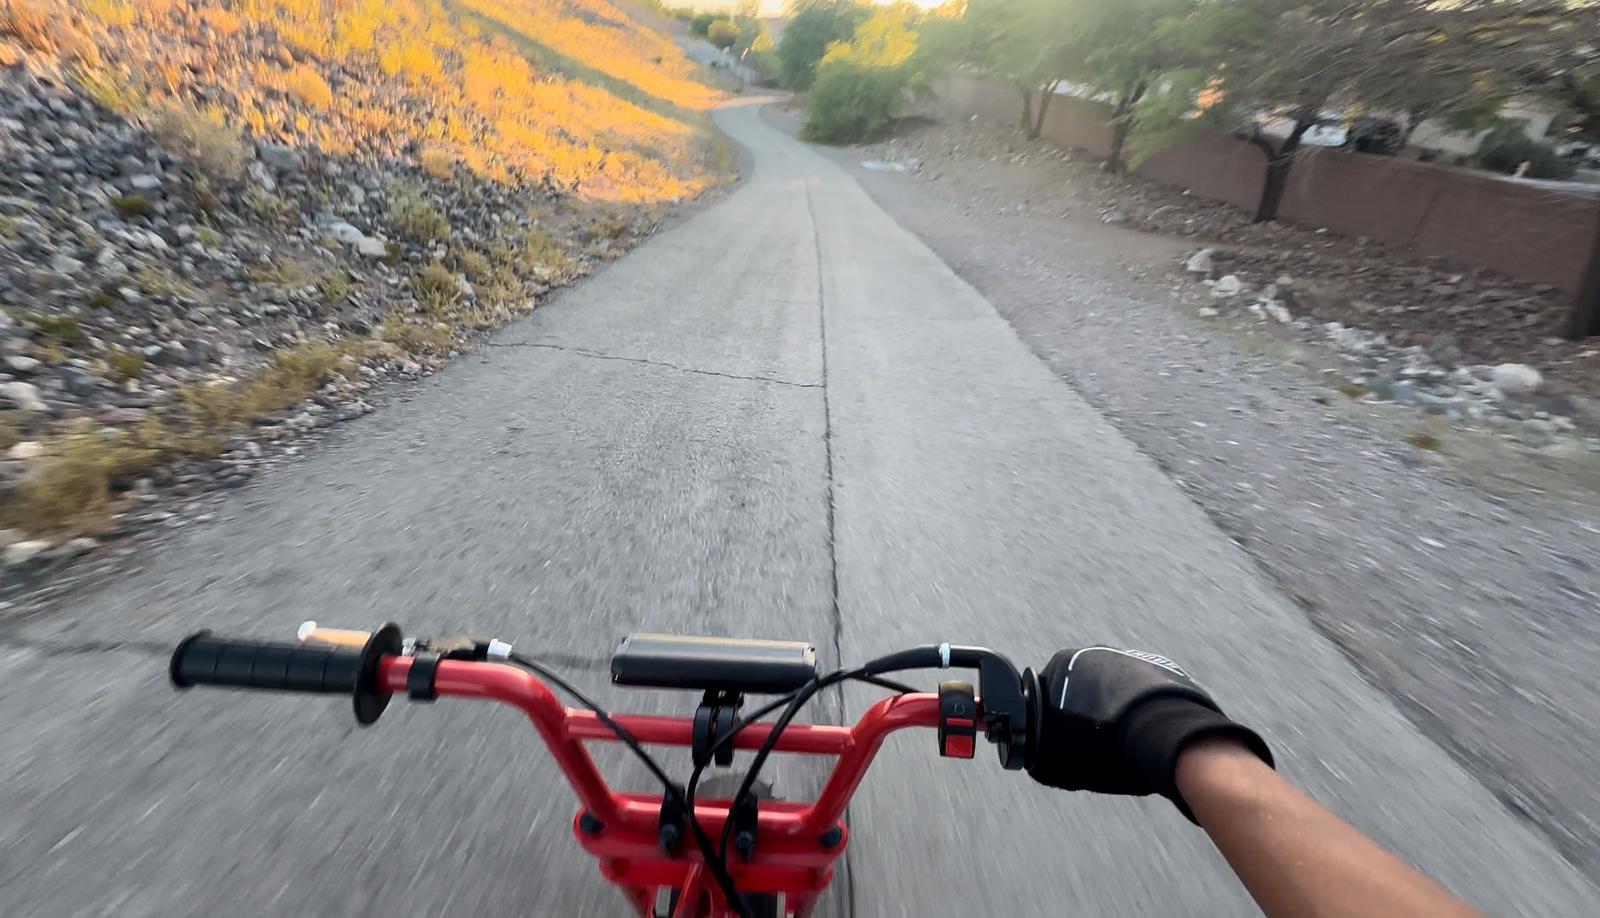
x,y
797,701
714,861
916,658
716,856
764,710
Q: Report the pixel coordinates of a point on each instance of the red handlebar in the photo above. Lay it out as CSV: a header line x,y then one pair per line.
x,y
796,843
565,730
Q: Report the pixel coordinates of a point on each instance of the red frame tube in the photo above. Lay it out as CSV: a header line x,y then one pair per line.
x,y
791,854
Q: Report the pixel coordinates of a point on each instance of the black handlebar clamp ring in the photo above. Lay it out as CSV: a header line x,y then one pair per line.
x,y
370,696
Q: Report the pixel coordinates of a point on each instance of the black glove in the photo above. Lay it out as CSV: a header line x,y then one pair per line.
x,y
1113,722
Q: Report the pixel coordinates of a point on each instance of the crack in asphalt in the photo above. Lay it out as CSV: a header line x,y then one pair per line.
x,y
833,554
596,355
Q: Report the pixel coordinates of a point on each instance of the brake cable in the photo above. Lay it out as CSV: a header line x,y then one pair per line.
x,y
795,701
715,856
714,861
871,671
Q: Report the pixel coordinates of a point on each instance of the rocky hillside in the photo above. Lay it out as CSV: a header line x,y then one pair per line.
x,y
222,224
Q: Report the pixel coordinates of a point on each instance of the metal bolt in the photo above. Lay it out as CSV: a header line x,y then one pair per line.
x,y
590,824
831,838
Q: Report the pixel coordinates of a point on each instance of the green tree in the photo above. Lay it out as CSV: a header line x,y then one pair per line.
x,y
723,33
1126,46
751,33
1279,68
1030,44
813,26
700,24
862,83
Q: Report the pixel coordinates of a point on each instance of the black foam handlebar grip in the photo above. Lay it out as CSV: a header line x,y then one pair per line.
x,y
205,660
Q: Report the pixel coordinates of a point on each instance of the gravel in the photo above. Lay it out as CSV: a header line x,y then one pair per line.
x,y
1459,571
1357,281
131,274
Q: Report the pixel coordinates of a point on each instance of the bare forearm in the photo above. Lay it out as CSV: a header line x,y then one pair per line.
x,y
1294,856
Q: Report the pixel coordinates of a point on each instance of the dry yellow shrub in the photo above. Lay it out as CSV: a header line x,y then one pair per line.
x,y
205,136
30,22
221,21
308,86
614,114
438,162
41,26
413,58
71,489
120,13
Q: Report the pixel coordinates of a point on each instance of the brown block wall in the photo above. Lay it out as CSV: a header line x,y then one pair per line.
x,y
1518,229
1522,230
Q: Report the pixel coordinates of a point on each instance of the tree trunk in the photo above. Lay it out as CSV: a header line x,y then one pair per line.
x,y
1280,160
1585,316
1027,111
1120,126
1119,139
1045,95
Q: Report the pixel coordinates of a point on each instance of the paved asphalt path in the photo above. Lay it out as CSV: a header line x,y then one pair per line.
x,y
784,417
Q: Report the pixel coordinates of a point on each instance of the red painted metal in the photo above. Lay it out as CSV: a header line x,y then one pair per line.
x,y
689,892
791,857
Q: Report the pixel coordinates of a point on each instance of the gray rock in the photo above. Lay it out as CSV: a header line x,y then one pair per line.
x,y
1114,218
146,182
1514,379
1435,404
123,415
18,554
1443,351
79,382
279,157
22,364
1280,290
262,176
345,233
1206,312
369,247
1200,262
1518,410
1555,403
1403,392
65,264
1229,285
25,451
24,395
72,548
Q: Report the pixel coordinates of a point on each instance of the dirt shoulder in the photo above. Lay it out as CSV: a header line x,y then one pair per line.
x,y
1457,569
